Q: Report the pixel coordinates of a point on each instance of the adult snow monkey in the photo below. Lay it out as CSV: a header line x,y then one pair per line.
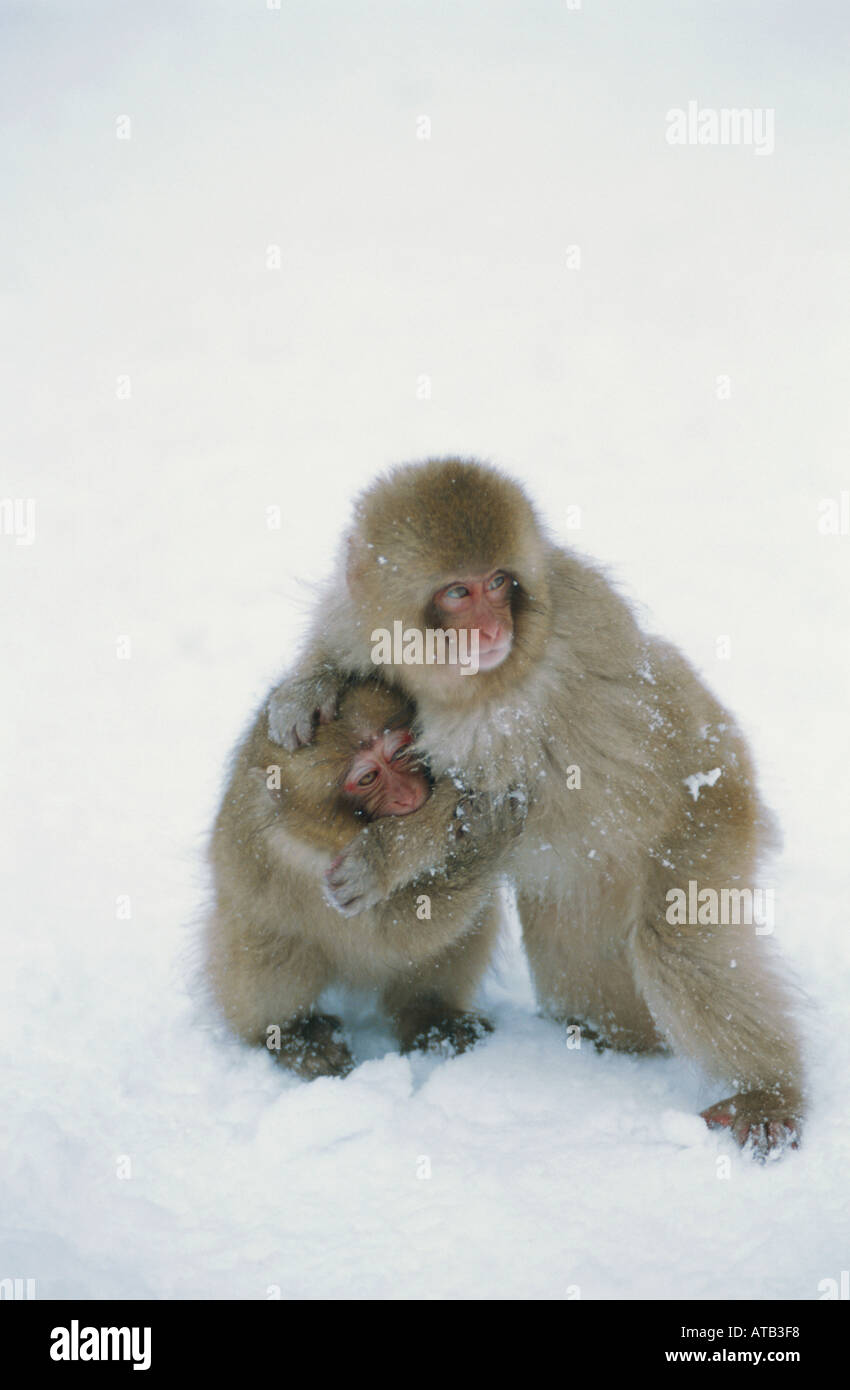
x,y
273,943
638,782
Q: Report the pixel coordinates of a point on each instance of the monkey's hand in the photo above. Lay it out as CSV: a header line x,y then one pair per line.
x,y
484,821
451,838
762,1123
297,706
393,852
353,882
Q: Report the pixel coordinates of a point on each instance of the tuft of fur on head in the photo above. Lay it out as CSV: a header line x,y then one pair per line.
x,y
423,525
366,711
312,778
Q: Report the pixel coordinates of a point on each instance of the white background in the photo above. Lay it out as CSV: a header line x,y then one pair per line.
x,y
251,388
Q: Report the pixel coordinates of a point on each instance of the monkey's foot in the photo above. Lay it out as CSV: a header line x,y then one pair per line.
x,y
351,885
296,709
588,1034
616,1039
450,1035
762,1123
315,1047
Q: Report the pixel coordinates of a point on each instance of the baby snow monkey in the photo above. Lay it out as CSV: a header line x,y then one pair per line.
x,y
274,942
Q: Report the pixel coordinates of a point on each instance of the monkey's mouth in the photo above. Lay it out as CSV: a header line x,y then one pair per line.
x,y
494,656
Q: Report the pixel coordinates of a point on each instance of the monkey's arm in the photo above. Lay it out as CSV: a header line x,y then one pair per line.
x,y
299,703
454,836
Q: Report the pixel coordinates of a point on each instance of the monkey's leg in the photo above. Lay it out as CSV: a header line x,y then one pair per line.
x,y
679,986
266,985
430,1007
583,975
719,996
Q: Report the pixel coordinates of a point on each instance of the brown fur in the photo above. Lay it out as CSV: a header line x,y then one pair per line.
x,y
582,686
272,943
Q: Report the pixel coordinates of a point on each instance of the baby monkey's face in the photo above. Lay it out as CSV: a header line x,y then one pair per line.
x,y
385,779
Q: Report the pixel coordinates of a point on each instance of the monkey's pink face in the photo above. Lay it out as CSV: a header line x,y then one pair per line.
x,y
481,602
384,778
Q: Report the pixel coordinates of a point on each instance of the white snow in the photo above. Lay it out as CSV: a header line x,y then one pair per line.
x,y
701,779
191,426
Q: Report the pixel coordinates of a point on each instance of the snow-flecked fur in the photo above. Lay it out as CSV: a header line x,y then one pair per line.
x,y
583,688
272,944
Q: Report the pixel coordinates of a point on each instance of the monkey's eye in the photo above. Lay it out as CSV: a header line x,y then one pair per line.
x,y
456,591
367,779
401,753
498,581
